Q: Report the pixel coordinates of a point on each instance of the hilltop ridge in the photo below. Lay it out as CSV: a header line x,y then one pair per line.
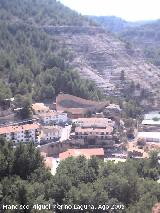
x,y
40,47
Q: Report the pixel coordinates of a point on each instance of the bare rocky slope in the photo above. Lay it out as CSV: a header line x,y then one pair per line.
x,y
100,56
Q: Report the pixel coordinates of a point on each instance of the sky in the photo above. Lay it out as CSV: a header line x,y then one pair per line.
x,y
130,10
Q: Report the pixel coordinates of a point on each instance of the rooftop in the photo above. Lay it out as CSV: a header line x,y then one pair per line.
x,y
96,122
51,113
48,129
88,153
152,115
107,129
20,128
151,122
155,135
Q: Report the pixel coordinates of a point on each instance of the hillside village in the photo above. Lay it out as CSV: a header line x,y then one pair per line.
x,y
73,126
79,110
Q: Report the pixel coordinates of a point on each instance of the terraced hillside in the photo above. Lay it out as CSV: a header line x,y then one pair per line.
x,y
41,41
102,57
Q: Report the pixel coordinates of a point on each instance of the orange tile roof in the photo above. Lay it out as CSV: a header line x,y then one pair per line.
x,y
9,129
85,152
107,129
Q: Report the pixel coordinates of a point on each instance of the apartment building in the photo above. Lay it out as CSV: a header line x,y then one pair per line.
x,y
94,122
54,117
88,153
94,131
21,133
51,133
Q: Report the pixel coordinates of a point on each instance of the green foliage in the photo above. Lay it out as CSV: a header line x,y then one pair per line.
x,y
93,182
23,178
5,91
43,12
147,38
78,181
23,103
32,61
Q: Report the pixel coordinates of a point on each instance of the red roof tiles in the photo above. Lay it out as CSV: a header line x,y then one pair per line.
x,y
88,153
9,129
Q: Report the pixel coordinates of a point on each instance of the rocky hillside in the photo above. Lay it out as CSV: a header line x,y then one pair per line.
x,y
100,56
115,24
147,38
39,47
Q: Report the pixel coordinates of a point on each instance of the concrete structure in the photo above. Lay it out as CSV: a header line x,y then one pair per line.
x,y
50,163
152,115
115,160
94,131
93,122
149,137
151,122
53,149
22,133
77,107
54,117
65,133
88,153
51,133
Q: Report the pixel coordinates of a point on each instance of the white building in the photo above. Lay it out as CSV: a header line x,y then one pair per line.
x,y
151,122
49,133
94,122
152,116
22,133
54,117
153,137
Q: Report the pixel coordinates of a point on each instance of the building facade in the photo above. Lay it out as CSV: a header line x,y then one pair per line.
x,y
94,131
54,117
22,133
51,133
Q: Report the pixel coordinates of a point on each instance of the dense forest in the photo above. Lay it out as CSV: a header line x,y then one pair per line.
x,y
40,13
31,62
129,187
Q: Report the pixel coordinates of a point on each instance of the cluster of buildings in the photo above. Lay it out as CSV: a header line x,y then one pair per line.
x,y
94,131
45,127
149,129
20,133
70,127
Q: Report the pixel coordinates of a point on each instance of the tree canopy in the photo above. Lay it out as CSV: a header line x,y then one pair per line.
x,y
131,186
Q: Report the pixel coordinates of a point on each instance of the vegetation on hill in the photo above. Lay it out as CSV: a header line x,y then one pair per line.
x,y
129,187
147,38
39,13
31,62
140,34
115,24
